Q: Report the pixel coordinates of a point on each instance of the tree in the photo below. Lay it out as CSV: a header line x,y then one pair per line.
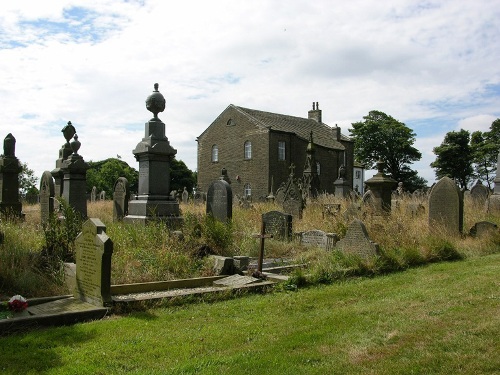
x,y
454,157
27,181
103,175
486,147
181,176
380,136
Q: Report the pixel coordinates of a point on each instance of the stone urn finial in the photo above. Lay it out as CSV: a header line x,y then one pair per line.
x,y
68,131
155,102
75,145
380,166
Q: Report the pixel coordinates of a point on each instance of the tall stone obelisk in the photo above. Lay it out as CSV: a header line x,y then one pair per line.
x,y
154,154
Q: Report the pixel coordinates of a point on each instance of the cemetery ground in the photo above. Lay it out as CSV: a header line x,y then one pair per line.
x,y
414,319
441,318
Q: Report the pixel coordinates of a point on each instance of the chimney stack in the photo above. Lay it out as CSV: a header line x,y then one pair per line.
x,y
315,113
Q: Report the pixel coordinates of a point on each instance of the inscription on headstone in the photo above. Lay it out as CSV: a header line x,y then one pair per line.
x,y
279,224
93,263
446,207
356,241
220,200
47,192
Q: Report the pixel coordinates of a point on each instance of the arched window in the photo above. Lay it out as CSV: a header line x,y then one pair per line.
x,y
318,168
248,150
248,190
215,153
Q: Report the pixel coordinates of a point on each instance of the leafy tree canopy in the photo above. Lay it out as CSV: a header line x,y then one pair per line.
x,y
454,157
380,136
485,147
27,181
181,176
103,175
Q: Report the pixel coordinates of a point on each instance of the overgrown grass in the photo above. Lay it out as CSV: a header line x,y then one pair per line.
x,y
154,252
438,319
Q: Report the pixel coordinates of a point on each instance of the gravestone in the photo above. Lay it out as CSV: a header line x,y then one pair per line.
x,y
356,241
47,191
10,167
279,224
185,196
319,238
93,263
415,209
380,187
220,201
154,154
483,228
102,195
74,170
121,196
492,204
93,194
479,193
65,151
446,207
290,196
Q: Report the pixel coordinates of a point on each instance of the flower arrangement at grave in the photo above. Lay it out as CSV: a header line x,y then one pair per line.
x,y
17,304
14,306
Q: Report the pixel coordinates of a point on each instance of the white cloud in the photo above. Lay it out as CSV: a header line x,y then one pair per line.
x,y
433,64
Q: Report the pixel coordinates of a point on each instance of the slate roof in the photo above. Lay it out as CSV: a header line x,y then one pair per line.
x,y
323,135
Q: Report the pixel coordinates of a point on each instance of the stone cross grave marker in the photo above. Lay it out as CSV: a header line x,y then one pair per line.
x,y
279,224
121,196
356,241
220,201
446,206
93,263
262,235
47,192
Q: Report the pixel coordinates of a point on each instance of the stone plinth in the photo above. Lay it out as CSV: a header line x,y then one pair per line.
x,y
75,183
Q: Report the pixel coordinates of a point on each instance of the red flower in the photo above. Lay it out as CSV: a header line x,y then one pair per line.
x,y
17,304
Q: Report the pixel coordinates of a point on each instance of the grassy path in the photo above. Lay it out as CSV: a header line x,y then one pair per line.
x,y
439,319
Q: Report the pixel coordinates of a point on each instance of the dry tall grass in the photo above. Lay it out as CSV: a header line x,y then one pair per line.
x,y
155,253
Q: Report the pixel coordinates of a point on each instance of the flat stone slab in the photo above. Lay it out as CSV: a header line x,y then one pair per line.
x,y
62,306
236,281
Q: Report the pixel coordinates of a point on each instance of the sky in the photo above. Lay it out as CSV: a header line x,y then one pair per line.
x,y
433,65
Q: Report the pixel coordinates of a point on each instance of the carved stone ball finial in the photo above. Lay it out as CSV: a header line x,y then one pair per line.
x,y
155,102
68,131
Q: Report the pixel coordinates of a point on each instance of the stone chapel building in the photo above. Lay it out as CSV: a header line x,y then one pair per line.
x,y
257,149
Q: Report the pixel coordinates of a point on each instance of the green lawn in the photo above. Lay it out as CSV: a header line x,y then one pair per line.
x,y
443,318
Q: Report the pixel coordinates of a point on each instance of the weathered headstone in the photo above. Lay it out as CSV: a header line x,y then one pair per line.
x,y
93,263
185,196
121,196
479,193
93,194
318,238
446,207
102,195
10,167
381,187
492,204
279,224
290,196
483,228
220,201
356,241
47,192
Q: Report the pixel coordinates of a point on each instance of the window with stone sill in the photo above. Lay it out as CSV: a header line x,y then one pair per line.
x,y
215,154
248,150
248,190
